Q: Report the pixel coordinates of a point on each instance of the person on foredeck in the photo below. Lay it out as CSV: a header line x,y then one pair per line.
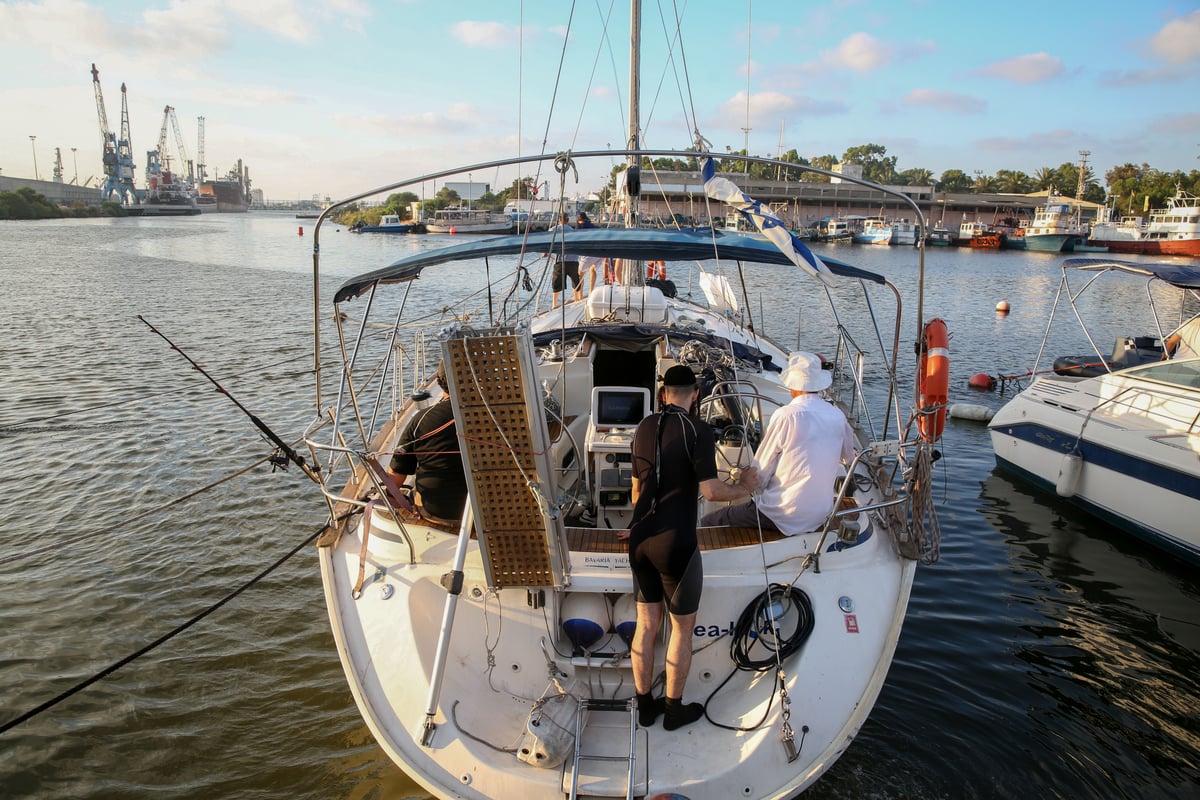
x,y
588,265
800,457
674,460
429,450
566,265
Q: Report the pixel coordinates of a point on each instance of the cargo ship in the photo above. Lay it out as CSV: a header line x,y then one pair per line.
x,y
229,195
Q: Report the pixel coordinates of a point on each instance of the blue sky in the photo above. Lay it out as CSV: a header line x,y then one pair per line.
x,y
333,97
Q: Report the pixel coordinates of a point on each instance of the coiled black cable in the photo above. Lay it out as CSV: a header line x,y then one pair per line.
x,y
754,627
762,624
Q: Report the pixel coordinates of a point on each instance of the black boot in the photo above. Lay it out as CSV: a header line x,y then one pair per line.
x,y
679,715
649,707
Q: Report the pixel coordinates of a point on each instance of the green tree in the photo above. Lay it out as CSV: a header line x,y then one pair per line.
x,y
400,203
915,177
25,203
954,180
877,165
1044,178
827,161
1013,182
445,198
984,183
793,173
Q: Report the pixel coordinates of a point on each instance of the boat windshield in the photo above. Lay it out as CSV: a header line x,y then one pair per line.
x,y
1178,373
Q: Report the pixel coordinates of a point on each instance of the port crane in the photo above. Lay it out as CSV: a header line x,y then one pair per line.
x,y
201,167
159,159
118,153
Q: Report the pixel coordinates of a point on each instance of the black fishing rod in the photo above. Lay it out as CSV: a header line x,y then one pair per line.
x,y
283,446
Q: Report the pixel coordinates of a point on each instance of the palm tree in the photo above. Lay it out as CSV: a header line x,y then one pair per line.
x,y
1012,181
1045,177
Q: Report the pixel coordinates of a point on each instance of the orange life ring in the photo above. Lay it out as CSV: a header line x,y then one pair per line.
x,y
934,386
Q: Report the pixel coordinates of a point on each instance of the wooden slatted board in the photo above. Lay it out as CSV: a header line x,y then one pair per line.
x,y
500,452
601,540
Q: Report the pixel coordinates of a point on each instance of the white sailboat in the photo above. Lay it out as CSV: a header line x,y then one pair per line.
x,y
491,658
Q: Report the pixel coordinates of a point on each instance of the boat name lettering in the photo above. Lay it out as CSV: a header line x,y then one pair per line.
x,y
606,561
712,630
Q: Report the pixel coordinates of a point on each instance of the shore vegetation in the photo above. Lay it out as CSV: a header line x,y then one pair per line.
x,y
25,203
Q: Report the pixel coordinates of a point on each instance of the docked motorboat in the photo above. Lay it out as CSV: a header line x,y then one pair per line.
x,y
1116,432
904,232
1171,231
388,223
1054,225
872,230
491,657
467,220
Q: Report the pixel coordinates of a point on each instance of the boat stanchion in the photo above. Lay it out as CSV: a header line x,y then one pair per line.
x,y
453,589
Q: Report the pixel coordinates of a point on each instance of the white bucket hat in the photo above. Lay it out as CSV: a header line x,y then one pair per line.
x,y
804,373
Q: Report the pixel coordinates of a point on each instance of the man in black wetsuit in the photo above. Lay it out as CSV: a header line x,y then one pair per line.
x,y
429,448
674,460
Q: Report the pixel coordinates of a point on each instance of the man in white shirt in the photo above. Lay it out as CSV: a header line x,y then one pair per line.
x,y
800,457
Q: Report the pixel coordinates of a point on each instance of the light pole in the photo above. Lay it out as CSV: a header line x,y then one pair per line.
x,y
76,162
33,145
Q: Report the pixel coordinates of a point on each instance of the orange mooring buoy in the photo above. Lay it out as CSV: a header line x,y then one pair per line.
x,y
983,381
453,231
1002,307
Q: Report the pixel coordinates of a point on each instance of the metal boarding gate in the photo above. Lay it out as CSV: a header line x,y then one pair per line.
x,y
505,449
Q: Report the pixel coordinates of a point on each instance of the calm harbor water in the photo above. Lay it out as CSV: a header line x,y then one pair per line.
x,y
1044,656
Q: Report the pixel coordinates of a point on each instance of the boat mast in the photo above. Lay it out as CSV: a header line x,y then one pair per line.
x,y
634,275
635,90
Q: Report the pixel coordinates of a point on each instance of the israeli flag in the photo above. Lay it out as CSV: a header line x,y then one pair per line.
x,y
765,220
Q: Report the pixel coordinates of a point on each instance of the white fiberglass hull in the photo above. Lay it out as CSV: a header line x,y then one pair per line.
x,y
1137,464
388,647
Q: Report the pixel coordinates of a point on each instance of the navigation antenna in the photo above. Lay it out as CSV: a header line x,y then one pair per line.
x,y
1079,187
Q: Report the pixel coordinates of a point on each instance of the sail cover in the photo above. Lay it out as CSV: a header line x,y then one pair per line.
x,y
765,220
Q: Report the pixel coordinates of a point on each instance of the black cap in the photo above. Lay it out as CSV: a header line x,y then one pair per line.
x,y
679,375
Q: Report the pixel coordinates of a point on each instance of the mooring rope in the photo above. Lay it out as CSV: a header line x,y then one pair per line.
x,y
130,520
110,669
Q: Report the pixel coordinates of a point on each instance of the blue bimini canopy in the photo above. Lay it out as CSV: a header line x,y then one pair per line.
x,y
1185,276
647,244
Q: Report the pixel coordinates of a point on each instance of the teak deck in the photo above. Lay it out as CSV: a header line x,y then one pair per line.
x,y
604,540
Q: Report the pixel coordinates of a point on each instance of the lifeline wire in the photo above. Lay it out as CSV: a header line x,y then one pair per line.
x,y
130,520
104,673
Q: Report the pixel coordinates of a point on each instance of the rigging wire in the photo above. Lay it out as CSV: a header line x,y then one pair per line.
x,y
110,669
142,398
57,545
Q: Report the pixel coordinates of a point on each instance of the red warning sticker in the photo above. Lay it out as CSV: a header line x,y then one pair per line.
x,y
851,623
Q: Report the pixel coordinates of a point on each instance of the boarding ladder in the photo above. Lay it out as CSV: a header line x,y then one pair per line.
x,y
604,749
505,448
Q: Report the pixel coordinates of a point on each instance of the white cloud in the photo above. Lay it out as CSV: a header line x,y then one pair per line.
x,y
1059,139
457,118
485,34
1026,69
946,101
53,24
1179,40
1143,77
860,52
